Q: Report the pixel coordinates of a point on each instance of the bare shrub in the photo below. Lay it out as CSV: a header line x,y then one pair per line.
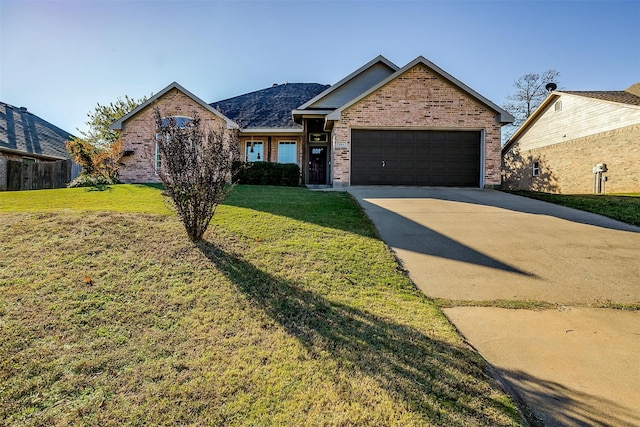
x,y
195,168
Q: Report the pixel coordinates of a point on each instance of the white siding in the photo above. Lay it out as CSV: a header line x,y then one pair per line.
x,y
579,117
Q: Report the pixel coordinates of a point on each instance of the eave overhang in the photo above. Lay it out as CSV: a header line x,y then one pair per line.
x,y
299,114
532,118
271,131
119,124
34,155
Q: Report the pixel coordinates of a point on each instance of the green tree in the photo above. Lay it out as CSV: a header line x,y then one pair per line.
x,y
99,149
103,116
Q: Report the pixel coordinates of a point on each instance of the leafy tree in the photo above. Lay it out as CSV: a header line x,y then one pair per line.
x,y
103,116
99,149
196,168
530,92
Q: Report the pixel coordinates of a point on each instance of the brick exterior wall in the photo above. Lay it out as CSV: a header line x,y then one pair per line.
x,y
3,172
567,167
139,133
418,99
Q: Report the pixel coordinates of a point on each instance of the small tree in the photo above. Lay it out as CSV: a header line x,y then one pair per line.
x,y
99,150
196,168
530,92
102,162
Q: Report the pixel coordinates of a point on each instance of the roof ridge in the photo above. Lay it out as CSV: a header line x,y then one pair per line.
x,y
617,96
269,107
594,91
265,89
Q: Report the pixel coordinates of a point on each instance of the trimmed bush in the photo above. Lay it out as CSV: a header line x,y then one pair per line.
x,y
266,173
85,180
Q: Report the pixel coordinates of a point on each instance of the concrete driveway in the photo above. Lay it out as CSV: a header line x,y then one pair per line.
x,y
573,365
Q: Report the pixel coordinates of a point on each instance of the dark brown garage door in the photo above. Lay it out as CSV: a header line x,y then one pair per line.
x,y
404,157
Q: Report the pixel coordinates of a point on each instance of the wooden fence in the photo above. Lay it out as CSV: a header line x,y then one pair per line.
x,y
32,175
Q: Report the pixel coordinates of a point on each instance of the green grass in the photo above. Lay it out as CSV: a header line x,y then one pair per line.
x,y
141,198
622,207
291,312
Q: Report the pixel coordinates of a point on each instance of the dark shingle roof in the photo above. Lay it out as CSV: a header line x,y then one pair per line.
x,y
620,96
23,131
269,108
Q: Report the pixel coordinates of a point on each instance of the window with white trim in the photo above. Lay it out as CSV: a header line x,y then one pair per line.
x,y
535,168
287,152
254,151
157,161
181,122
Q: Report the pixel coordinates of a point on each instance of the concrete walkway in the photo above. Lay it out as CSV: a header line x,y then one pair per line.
x,y
571,366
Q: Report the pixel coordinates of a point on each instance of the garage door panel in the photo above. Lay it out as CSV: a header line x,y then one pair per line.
x,y
404,149
430,158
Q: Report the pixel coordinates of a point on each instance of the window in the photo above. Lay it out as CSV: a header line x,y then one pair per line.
x,y
558,106
180,121
535,168
287,152
156,157
254,151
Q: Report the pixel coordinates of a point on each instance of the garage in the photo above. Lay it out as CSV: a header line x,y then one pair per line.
x,y
415,157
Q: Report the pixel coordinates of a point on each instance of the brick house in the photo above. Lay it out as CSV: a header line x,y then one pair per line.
x,y
138,129
381,124
32,151
578,142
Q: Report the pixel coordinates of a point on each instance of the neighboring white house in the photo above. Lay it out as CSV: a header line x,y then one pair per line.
x,y
578,142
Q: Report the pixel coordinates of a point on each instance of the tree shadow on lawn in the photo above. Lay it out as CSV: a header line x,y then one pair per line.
x,y
444,383
337,210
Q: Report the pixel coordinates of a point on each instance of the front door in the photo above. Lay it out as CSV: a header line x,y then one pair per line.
x,y
318,165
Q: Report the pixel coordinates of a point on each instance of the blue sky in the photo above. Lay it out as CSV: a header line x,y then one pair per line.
x,y
60,58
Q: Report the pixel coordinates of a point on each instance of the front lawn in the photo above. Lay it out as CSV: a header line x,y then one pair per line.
x,y
141,198
624,207
292,312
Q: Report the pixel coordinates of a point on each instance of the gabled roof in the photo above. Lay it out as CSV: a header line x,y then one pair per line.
x,y
621,96
22,132
269,108
625,97
634,89
505,117
117,125
360,84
